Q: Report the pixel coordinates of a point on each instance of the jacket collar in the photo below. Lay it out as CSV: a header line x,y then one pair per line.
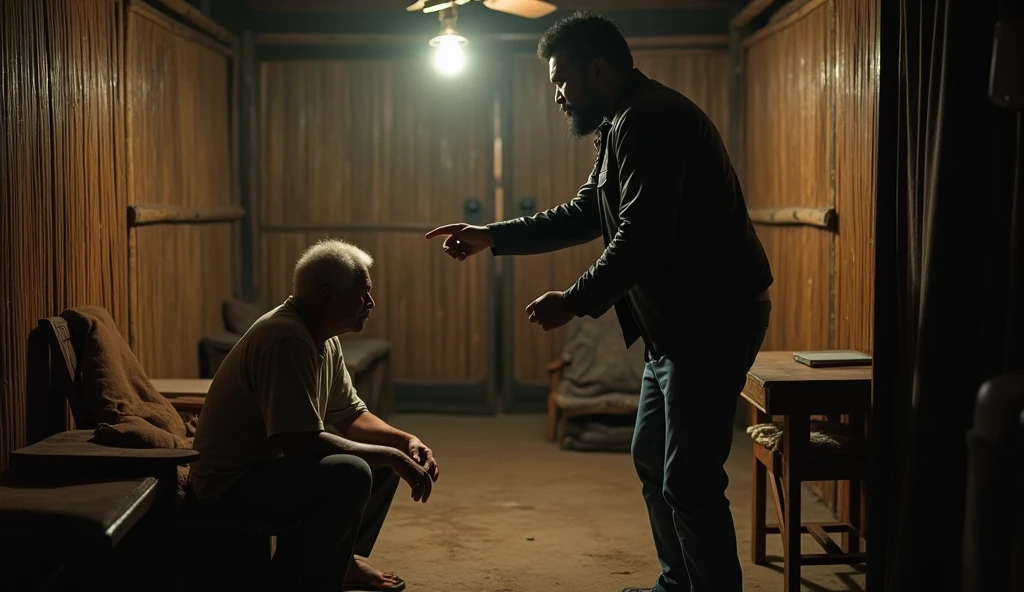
x,y
635,82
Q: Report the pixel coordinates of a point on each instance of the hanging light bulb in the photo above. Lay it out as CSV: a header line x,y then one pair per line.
x,y
450,53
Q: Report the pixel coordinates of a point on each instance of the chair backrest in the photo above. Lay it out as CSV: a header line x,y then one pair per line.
x,y
600,361
53,354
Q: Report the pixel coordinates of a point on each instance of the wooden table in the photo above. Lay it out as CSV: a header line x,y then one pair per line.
x,y
186,394
777,385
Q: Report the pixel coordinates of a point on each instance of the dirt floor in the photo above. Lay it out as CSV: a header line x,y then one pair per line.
x,y
513,513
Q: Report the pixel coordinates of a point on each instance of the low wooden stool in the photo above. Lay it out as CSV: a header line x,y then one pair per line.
x,y
231,552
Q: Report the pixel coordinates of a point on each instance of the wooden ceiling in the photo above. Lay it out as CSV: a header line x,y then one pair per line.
x,y
378,6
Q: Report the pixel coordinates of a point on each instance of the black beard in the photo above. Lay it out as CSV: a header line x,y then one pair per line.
x,y
583,121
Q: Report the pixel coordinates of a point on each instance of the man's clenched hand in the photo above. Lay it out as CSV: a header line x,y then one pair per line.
x,y
550,311
423,456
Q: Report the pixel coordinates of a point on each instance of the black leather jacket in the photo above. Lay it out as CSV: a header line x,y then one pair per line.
x,y
681,253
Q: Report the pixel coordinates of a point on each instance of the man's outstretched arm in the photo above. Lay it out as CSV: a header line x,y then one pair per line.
x,y
560,227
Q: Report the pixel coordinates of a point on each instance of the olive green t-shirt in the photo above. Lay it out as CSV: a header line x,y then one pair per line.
x,y
274,380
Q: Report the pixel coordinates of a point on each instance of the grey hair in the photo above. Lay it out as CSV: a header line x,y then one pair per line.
x,y
329,261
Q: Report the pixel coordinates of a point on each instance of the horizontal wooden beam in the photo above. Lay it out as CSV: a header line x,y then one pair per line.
x,y
352,227
635,41
819,217
751,11
177,27
336,39
200,20
146,215
378,6
782,23
362,39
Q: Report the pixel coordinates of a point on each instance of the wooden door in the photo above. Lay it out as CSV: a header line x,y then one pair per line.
x,y
547,168
377,152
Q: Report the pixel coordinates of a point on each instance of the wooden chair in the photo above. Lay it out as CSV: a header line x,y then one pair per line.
x,y
53,387
53,375
58,452
594,376
833,452
562,407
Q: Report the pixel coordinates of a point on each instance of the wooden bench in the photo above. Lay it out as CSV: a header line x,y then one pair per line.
x,y
61,532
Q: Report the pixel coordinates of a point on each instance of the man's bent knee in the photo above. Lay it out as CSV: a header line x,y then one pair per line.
x,y
385,478
348,474
648,459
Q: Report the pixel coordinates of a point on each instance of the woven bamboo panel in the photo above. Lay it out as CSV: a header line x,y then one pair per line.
x,y
64,200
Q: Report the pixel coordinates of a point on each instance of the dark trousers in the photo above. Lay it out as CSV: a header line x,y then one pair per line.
x,y
681,442
339,502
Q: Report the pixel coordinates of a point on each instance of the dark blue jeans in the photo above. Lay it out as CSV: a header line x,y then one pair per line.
x,y
339,502
681,442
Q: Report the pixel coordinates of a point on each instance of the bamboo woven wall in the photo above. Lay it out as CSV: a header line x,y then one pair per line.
x,y
76,154
549,167
178,99
64,200
789,130
811,81
377,152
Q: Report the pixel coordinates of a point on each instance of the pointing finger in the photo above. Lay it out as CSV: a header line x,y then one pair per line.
x,y
446,229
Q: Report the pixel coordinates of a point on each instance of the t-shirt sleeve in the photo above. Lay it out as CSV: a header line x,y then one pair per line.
x,y
285,387
344,401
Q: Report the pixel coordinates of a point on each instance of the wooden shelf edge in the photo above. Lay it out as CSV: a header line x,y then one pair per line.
x,y
141,215
203,22
826,218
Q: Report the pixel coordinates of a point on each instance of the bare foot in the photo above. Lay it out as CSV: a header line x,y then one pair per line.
x,y
361,573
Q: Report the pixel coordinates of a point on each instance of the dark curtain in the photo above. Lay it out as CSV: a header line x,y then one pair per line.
x,y
948,279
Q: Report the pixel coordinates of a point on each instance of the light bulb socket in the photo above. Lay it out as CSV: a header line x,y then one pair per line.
x,y
449,38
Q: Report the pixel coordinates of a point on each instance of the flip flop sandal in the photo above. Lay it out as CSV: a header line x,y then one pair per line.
x,y
371,588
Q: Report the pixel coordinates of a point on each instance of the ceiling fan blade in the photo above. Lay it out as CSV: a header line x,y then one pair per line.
x,y
433,5
523,8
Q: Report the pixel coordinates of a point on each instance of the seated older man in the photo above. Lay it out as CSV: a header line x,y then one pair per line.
x,y
283,434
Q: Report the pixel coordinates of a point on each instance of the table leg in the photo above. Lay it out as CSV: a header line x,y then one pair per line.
x,y
851,509
851,515
758,519
166,532
796,440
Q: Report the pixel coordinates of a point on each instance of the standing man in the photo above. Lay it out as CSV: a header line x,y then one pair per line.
x,y
682,267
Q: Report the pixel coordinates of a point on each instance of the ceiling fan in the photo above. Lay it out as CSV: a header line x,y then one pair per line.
x,y
523,8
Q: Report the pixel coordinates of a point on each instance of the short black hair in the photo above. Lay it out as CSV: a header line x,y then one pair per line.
x,y
584,36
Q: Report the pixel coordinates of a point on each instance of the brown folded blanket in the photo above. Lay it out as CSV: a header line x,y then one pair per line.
x,y
129,411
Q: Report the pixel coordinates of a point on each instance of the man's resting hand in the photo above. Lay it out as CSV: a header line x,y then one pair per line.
x,y
416,476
